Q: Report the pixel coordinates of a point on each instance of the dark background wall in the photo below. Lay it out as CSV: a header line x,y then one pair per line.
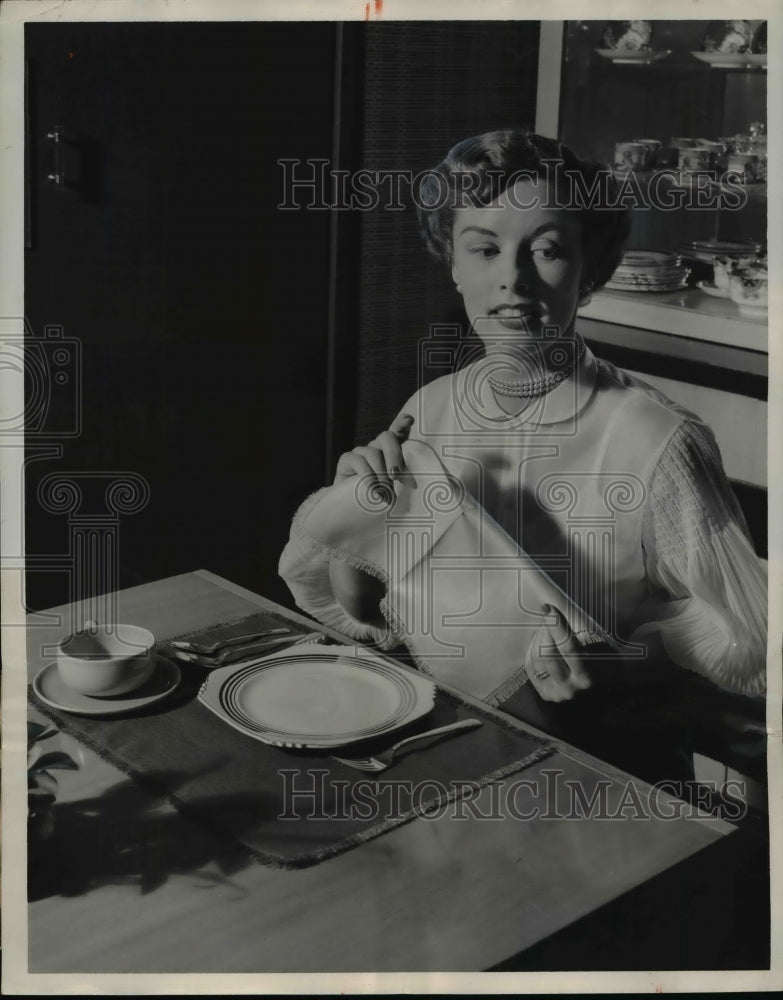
x,y
230,350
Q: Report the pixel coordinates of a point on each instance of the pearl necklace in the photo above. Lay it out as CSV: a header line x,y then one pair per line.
x,y
539,386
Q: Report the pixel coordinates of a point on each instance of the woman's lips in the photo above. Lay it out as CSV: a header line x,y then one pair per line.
x,y
516,317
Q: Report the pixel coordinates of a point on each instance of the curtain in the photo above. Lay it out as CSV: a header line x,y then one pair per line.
x,y
426,86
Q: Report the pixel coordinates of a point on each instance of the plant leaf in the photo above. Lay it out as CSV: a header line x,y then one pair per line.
x,y
56,759
37,732
45,781
39,793
34,730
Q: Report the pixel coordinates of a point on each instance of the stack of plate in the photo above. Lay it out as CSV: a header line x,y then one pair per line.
x,y
708,250
649,271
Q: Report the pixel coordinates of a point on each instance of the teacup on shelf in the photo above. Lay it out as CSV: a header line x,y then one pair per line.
x,y
630,36
715,150
727,37
744,165
652,149
721,272
695,159
630,156
748,287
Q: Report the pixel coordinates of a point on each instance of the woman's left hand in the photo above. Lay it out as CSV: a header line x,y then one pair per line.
x,y
553,663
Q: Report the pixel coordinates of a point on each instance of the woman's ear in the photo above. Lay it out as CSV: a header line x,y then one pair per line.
x,y
586,286
455,277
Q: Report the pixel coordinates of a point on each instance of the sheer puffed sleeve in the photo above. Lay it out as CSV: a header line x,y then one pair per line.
x,y
304,565
713,617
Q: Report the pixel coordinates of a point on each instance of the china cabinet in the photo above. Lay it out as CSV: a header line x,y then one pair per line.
x,y
701,349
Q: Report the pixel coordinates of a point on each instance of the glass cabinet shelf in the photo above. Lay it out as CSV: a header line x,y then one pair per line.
x,y
686,313
593,103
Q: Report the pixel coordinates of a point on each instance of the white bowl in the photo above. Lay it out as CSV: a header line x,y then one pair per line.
x,y
107,660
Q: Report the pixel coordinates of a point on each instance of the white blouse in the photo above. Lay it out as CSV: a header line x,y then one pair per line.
x,y
683,569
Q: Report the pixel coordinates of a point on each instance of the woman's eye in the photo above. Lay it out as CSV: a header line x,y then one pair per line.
x,y
549,251
486,250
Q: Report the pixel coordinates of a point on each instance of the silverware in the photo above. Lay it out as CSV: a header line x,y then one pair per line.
x,y
386,757
237,654
209,649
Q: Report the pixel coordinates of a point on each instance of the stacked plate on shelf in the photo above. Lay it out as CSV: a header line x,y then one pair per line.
x,y
649,271
708,250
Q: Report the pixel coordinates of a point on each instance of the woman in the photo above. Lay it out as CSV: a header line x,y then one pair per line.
x,y
614,490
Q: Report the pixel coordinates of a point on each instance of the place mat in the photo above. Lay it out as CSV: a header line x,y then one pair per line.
x,y
293,809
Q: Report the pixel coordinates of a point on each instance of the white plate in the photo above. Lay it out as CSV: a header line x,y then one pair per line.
x,y
649,258
317,696
725,247
650,277
649,281
621,287
651,270
731,60
49,687
638,56
710,289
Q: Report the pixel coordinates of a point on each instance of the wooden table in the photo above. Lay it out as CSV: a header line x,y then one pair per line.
x,y
433,894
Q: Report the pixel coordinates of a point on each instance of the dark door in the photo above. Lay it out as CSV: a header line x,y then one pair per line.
x,y
199,307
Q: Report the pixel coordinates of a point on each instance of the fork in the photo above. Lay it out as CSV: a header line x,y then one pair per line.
x,y
209,649
386,757
268,645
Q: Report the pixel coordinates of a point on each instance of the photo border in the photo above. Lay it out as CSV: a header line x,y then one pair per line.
x,y
13,15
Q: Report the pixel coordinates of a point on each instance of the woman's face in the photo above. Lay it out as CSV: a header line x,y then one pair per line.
x,y
519,268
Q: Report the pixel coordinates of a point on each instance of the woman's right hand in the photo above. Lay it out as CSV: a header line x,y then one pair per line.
x,y
359,593
381,458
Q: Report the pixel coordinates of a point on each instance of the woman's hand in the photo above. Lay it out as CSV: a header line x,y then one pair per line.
x,y
553,664
381,458
359,593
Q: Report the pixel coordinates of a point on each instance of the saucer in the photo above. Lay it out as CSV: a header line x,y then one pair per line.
x,y
639,57
750,310
52,691
732,60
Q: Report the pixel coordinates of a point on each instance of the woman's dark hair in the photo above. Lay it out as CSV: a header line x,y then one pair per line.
x,y
478,170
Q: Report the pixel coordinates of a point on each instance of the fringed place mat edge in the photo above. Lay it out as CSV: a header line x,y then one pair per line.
x,y
371,833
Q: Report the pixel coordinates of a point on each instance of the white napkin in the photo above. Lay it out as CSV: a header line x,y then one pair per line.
x,y
461,594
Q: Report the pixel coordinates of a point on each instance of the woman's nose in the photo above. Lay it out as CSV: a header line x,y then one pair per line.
x,y
517,276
